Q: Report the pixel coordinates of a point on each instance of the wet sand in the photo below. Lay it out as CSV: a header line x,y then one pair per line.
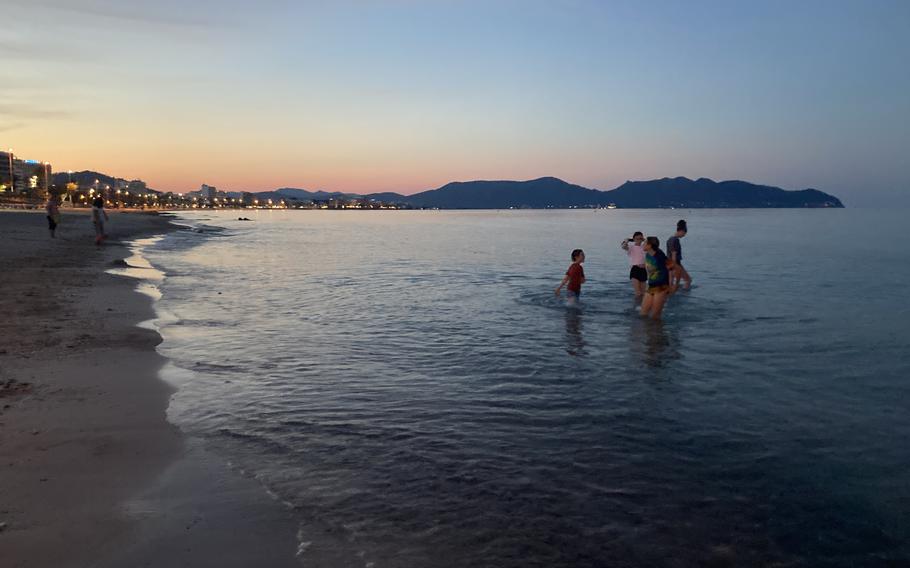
x,y
91,471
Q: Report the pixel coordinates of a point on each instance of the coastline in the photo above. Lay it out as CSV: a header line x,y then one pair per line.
x,y
91,471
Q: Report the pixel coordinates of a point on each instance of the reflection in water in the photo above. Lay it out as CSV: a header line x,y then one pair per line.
x,y
654,343
575,343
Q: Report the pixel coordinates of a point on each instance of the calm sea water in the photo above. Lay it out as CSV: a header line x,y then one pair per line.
x,y
409,384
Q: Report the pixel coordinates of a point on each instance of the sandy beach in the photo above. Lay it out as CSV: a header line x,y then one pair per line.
x,y
91,471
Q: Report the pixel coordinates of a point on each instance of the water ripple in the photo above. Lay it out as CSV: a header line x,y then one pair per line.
x,y
413,388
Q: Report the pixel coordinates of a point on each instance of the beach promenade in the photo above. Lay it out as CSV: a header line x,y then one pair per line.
x,y
91,472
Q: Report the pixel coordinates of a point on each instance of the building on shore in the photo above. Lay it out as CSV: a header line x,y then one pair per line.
x,y
137,186
7,169
20,178
208,192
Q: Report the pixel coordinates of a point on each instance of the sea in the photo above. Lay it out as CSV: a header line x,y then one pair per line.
x,y
408,384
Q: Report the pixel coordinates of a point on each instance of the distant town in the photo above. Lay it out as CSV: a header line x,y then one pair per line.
x,y
28,183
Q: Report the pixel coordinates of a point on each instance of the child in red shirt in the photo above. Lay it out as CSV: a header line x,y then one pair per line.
x,y
575,277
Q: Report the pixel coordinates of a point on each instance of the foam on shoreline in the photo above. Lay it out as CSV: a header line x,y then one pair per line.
x,y
94,473
200,509
93,429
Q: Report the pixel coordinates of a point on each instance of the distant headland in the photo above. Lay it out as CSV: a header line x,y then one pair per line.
x,y
554,193
550,192
541,193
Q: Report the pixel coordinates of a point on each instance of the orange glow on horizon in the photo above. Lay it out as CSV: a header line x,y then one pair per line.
x,y
182,171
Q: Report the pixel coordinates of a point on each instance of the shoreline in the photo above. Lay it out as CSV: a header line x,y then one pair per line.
x,y
77,439
93,473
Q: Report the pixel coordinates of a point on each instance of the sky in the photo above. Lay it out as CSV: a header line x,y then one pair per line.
x,y
407,95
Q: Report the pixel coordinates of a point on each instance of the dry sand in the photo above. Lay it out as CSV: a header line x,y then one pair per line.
x,y
91,472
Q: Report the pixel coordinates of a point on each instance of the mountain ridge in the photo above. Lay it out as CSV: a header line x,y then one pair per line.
x,y
666,192
552,192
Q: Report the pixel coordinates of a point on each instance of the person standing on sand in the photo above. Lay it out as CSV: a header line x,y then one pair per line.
x,y
637,274
674,249
658,279
53,214
99,216
574,278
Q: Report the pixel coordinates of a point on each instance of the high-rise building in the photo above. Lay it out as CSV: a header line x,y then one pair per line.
x,y
6,172
208,192
26,178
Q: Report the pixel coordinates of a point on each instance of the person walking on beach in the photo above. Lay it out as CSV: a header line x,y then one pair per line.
x,y
674,250
99,216
637,273
53,214
574,278
658,279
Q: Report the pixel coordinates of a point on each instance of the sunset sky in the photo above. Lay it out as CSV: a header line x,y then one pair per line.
x,y
408,95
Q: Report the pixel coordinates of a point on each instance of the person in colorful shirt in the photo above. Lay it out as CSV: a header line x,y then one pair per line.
x,y
574,278
658,279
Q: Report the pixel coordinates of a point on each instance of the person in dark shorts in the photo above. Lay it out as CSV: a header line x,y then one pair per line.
x,y
53,214
574,278
674,254
637,273
658,279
